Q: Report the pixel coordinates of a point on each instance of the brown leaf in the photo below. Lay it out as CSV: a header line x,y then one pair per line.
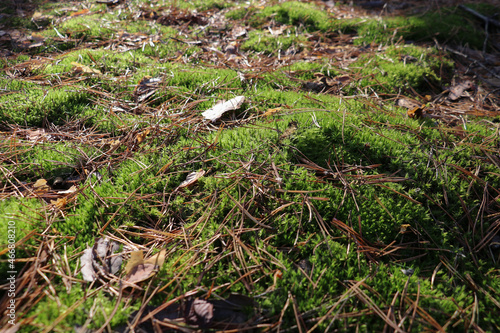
x,y
238,31
200,313
457,90
79,68
59,203
40,183
407,103
343,79
41,186
35,135
142,135
141,272
415,112
136,258
37,16
403,227
158,259
278,31
270,112
138,269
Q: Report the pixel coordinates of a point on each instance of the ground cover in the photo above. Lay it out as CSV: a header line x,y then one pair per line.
x,y
349,182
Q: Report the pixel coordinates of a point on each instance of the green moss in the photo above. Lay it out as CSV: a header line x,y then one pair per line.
x,y
269,44
18,219
448,25
101,302
402,67
240,13
382,172
30,104
299,14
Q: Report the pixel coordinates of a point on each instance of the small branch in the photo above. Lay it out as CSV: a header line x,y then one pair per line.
x,y
486,19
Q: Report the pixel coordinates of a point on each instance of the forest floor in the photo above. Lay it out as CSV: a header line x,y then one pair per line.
x,y
249,166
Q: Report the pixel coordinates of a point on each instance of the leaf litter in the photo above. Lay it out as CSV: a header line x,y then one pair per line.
x,y
202,307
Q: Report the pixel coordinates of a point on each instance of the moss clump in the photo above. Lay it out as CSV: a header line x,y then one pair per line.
x,y
25,217
311,204
260,41
299,14
402,67
30,104
448,25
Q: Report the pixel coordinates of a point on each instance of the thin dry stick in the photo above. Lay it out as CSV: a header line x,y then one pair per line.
x,y
412,319
283,312
248,214
390,312
348,294
368,301
298,318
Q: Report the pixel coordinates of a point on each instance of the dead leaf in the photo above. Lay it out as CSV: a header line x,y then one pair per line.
x,y
292,128
41,186
457,90
220,108
200,313
407,103
270,112
136,258
343,79
72,189
79,68
87,270
35,135
138,269
278,31
277,275
40,183
192,178
141,272
37,16
231,48
158,259
323,83
59,203
142,135
205,313
403,228
238,31
100,260
415,112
